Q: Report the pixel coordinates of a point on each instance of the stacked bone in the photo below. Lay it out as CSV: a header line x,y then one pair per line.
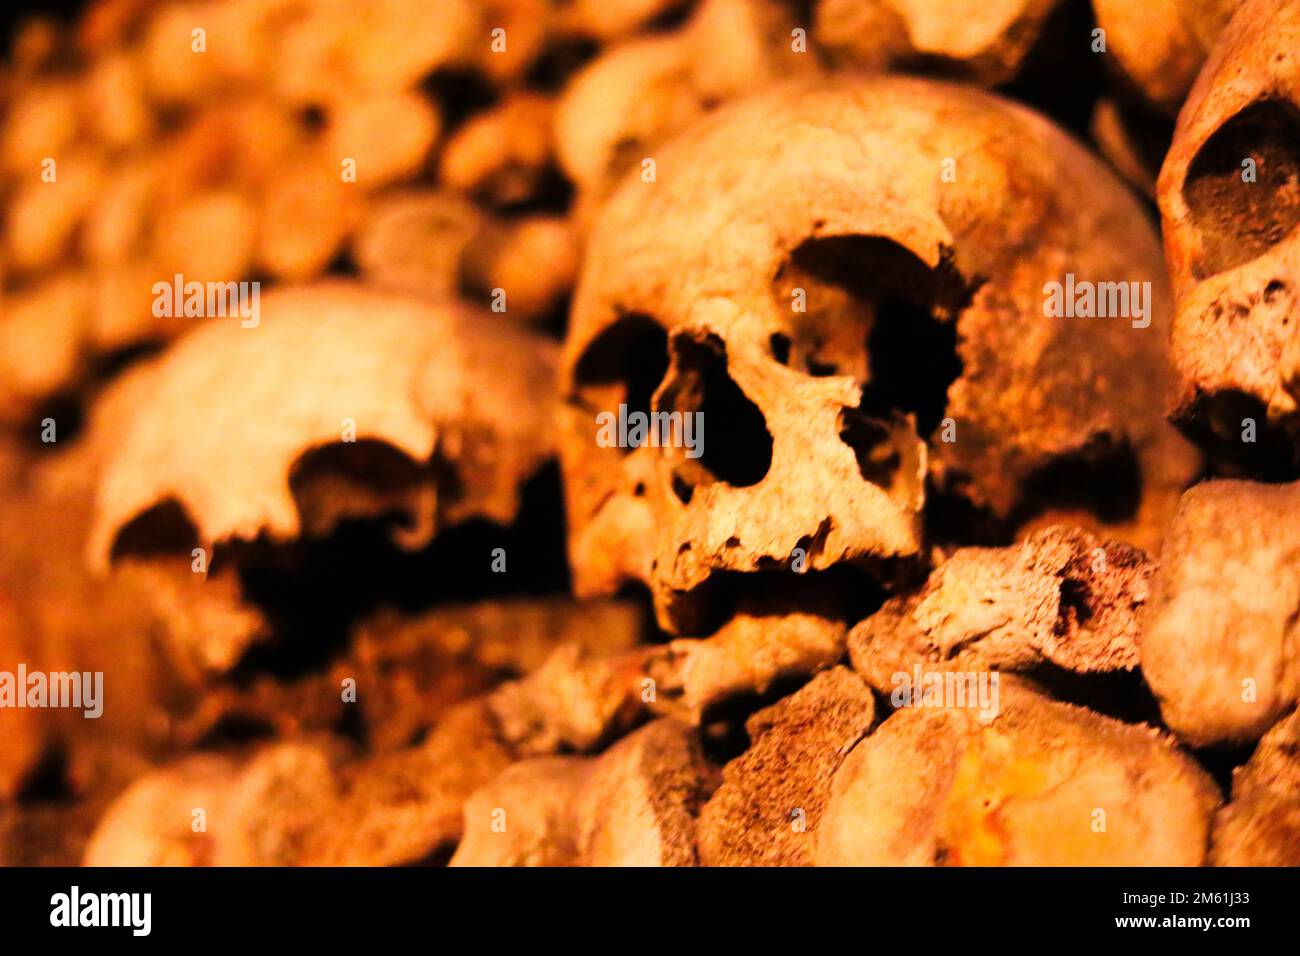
x,y
943,576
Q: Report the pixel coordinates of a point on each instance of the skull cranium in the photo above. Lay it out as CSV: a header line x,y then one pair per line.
x,y
1230,201
807,275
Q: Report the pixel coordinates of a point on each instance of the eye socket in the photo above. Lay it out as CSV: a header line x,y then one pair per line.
x,y
623,365
165,528
865,306
333,482
1238,219
886,451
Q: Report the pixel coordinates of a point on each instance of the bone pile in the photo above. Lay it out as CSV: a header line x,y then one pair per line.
x,y
651,433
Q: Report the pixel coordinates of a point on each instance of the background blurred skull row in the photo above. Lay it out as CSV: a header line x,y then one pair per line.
x,y
349,607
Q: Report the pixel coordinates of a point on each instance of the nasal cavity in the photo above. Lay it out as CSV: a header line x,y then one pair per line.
x,y
887,452
733,444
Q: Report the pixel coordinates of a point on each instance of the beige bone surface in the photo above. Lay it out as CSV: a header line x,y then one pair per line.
x,y
1219,643
1040,784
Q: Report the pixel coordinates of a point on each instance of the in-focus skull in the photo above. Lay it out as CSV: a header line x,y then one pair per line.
x,y
846,280
1230,201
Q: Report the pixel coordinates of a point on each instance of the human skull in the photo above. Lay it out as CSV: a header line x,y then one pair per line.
x,y
792,256
349,403
1230,201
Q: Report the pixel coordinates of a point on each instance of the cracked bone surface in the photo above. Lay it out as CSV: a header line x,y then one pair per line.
x,y
776,309
783,632
773,797
1062,596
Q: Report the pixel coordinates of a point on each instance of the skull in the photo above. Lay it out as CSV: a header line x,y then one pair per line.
x,y
349,404
1230,201
845,280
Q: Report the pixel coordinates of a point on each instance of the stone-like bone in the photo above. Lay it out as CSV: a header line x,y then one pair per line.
x,y
303,804
1261,826
773,796
1041,784
409,670
1062,596
763,642
1220,645
576,700
635,805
